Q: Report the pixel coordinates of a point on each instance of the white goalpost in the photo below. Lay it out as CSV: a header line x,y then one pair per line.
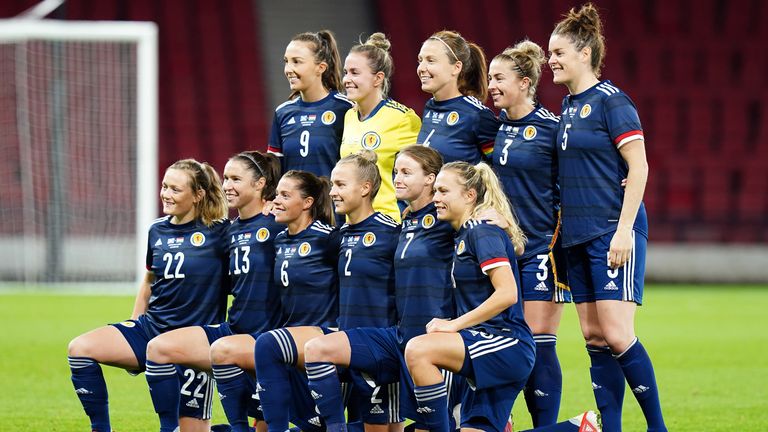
x,y
78,150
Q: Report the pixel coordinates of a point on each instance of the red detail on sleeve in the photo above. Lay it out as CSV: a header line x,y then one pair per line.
x,y
273,149
621,137
493,261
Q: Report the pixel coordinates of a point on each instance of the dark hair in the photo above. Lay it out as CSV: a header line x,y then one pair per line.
x,y
428,158
584,29
323,44
526,58
310,185
366,168
473,78
376,48
264,165
203,177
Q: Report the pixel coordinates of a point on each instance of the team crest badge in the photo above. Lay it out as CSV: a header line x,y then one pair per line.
x,y
328,118
369,239
529,132
428,221
460,248
197,239
371,140
129,324
304,249
453,118
586,110
262,235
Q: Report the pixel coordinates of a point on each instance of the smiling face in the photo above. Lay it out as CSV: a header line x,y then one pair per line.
x,y
567,63
301,70
288,204
360,82
505,86
177,196
411,182
240,187
347,191
452,201
437,71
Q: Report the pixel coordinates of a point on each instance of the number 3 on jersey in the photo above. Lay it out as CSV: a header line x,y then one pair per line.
x,y
304,142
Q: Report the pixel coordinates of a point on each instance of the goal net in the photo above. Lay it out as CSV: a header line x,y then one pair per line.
x,y
78,149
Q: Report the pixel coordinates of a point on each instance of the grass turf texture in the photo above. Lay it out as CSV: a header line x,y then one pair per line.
x,y
705,344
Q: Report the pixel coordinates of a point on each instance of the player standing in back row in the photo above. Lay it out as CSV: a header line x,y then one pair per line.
x,y
306,131
525,159
376,123
605,228
455,121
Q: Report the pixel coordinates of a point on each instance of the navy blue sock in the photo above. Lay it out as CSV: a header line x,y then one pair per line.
x,y
638,370
275,353
235,390
326,390
164,387
545,385
432,401
607,385
92,390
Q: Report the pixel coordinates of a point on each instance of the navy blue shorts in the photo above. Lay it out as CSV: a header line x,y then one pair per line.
x,y
591,279
375,366
196,386
544,276
497,368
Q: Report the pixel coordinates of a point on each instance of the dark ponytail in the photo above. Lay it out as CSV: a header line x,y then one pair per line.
x,y
319,188
323,45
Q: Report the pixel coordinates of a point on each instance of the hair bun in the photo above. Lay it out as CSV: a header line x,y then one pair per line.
x,y
379,40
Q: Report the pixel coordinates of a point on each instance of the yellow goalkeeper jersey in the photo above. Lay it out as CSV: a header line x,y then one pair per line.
x,y
390,127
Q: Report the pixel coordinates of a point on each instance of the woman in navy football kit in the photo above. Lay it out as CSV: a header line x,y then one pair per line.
x,y
525,159
489,342
605,228
455,121
423,290
185,285
366,298
304,281
249,180
307,129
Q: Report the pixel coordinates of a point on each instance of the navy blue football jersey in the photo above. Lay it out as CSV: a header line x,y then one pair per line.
x,y
367,274
593,126
460,129
307,135
525,159
481,247
423,284
305,271
189,262
256,303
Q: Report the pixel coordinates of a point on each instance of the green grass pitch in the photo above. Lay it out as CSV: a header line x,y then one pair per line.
x,y
706,343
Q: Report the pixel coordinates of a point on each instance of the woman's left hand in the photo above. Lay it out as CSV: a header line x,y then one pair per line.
x,y
438,325
621,248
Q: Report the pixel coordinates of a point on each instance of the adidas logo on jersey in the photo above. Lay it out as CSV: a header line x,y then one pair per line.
x,y
291,121
377,410
259,388
315,395
314,421
222,396
193,404
83,391
610,286
595,386
159,242
541,287
640,389
540,393
425,410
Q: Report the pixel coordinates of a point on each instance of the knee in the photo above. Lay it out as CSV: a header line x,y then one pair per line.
x,y
318,350
417,352
158,350
81,346
222,352
619,339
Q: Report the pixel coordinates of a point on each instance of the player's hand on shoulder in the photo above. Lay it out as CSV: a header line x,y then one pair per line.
x,y
439,325
268,207
494,218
